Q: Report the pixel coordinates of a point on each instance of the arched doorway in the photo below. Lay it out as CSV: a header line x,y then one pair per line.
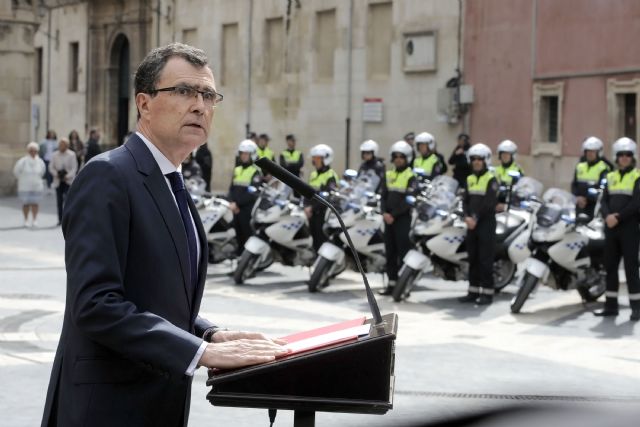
x,y
120,88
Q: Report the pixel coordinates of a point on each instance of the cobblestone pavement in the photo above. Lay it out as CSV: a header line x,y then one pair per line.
x,y
451,359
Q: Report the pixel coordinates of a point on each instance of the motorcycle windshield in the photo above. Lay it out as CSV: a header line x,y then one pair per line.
x,y
442,183
526,188
560,198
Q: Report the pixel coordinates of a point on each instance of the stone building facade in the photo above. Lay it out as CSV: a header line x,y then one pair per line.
x,y
329,71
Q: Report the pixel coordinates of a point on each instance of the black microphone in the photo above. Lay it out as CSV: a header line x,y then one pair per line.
x,y
307,191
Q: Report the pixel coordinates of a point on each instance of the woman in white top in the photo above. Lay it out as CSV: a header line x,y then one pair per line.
x,y
29,170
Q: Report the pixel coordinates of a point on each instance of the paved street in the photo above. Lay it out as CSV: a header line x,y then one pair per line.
x,y
451,359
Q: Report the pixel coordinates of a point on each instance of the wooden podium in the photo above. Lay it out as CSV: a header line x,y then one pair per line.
x,y
355,377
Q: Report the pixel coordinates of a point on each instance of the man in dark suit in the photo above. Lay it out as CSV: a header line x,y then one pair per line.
x,y
136,261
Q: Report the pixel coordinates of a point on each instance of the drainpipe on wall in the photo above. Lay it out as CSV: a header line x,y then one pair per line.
x,y
48,69
349,86
249,55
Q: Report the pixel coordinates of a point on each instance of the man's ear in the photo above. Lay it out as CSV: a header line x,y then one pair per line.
x,y
142,102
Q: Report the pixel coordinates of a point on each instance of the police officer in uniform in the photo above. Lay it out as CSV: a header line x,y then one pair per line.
x,y
246,174
291,159
322,178
263,147
588,174
479,211
620,207
507,150
396,212
430,161
371,165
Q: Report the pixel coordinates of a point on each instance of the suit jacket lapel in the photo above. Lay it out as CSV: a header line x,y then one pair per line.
x,y
204,258
161,194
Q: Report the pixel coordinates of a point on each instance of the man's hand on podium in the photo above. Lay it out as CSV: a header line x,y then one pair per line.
x,y
233,349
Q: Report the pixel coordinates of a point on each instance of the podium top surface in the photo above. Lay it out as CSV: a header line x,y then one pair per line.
x,y
387,330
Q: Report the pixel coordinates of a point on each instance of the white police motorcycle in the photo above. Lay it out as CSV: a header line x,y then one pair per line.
x,y
562,251
440,235
358,208
281,233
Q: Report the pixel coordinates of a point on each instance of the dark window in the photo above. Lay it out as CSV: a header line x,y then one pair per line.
x,y
73,66
630,118
37,87
549,115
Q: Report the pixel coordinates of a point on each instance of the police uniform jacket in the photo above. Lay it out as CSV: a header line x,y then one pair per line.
x,y
622,195
481,196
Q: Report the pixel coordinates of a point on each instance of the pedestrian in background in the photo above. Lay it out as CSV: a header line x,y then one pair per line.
x,y
93,145
63,167
29,171
47,147
205,160
459,161
76,144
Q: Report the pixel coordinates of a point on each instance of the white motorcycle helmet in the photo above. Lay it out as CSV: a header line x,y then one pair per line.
x,y
480,150
248,146
593,144
507,146
369,145
402,147
324,151
425,138
624,145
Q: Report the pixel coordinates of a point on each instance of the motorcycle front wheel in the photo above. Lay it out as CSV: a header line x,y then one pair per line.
x,y
593,292
529,282
503,272
405,283
245,268
320,276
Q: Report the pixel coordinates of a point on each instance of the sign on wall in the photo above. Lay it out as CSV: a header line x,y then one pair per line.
x,y
372,110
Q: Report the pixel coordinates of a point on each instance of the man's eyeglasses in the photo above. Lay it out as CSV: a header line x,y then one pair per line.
x,y
209,97
398,156
473,158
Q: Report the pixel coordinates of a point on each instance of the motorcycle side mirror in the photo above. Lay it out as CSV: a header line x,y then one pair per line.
x,y
251,189
592,191
442,213
582,219
411,200
603,182
343,183
370,194
514,174
524,204
568,219
350,174
324,194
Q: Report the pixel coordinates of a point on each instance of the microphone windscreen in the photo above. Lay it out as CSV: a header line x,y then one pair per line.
x,y
285,176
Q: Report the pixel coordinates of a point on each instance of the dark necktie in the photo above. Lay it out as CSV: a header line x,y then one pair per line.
x,y
177,185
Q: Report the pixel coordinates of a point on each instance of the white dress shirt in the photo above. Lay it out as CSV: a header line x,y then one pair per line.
x,y
167,167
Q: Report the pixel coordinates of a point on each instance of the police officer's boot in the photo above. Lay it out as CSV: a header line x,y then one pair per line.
x,y
484,300
388,290
635,311
610,308
470,297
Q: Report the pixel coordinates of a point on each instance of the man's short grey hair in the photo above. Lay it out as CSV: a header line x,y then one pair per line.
x,y
151,66
33,146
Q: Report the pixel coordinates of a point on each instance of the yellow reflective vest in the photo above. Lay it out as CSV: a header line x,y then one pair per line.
x,y
623,185
590,174
399,182
478,185
242,176
266,152
319,180
502,173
